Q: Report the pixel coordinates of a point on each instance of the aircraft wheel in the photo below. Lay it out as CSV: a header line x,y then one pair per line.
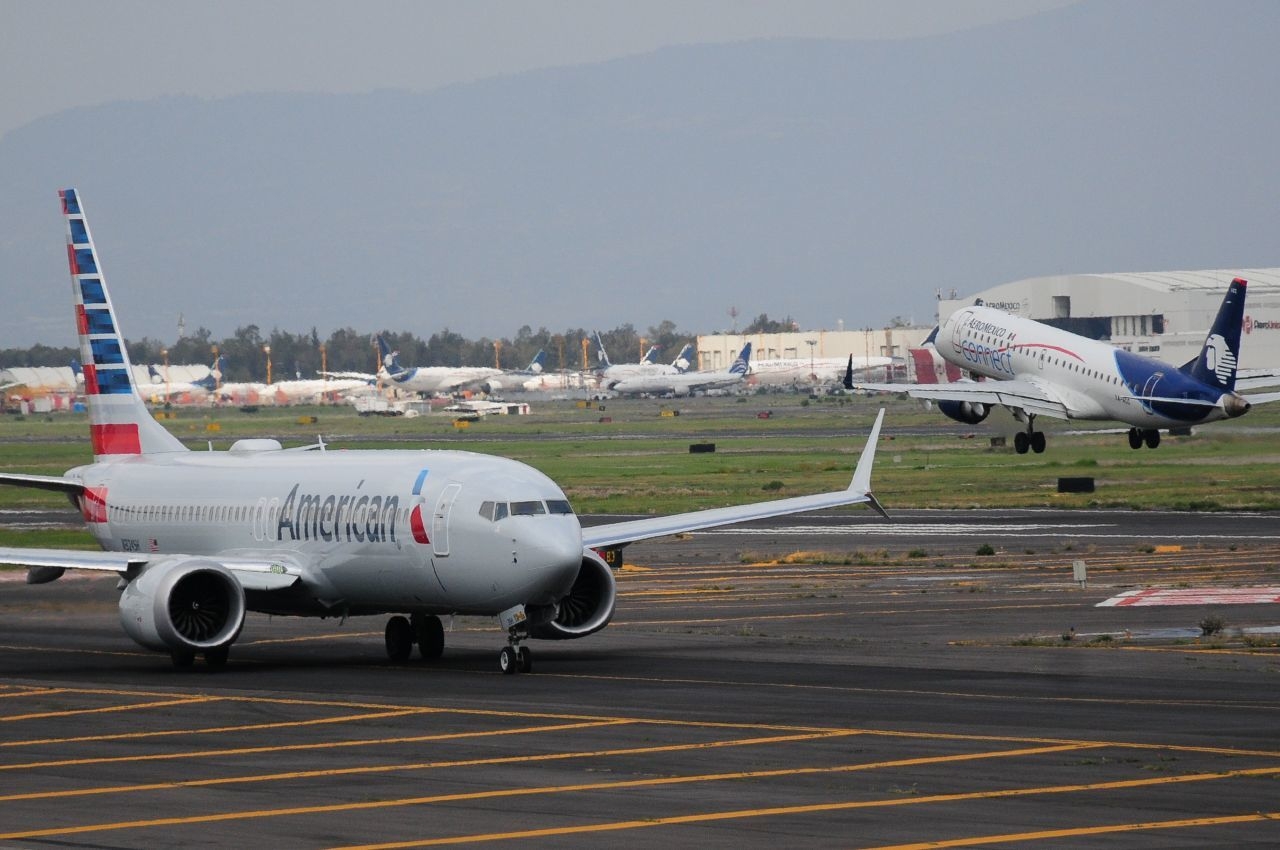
x,y
216,658
1152,438
182,659
1037,442
507,661
399,638
1021,442
524,659
1135,438
428,633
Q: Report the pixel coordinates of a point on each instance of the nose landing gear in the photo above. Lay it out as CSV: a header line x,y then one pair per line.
x,y
515,658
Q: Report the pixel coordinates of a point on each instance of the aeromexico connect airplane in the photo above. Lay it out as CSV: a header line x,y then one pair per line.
x,y
199,538
1034,369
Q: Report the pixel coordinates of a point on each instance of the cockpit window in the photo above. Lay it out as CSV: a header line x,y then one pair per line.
x,y
559,506
486,510
531,508
500,511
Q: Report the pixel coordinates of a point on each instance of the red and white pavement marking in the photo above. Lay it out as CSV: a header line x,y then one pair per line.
x,y
1194,596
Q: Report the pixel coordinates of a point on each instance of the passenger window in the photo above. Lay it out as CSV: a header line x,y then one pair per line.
x,y
559,506
527,508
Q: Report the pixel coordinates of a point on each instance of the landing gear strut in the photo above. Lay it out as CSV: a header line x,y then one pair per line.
x,y
1029,439
1138,436
515,658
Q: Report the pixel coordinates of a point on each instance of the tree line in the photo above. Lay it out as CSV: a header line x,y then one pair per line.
x,y
348,350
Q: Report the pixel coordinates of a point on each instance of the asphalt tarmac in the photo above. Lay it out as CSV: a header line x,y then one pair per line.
x,y
902,691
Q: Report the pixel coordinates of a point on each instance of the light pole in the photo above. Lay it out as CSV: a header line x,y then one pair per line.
x,y
266,349
813,373
164,352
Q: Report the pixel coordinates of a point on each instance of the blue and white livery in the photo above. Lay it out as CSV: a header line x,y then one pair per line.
x,y
1034,369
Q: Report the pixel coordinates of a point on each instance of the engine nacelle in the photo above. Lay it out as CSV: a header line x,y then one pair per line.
x,y
587,607
491,386
968,412
183,605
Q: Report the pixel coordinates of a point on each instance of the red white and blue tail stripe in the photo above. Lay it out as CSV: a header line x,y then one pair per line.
x,y
119,422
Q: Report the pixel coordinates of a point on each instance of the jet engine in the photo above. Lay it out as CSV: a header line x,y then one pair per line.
x,y
491,386
184,605
587,607
968,412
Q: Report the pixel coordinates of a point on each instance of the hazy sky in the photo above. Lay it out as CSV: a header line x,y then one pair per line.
x,y
57,55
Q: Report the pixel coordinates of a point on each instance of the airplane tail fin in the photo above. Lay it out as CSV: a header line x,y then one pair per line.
x,y
1220,355
684,360
537,364
119,422
651,356
602,356
390,359
742,364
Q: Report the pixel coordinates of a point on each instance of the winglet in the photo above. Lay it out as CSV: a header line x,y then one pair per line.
x,y
862,472
848,374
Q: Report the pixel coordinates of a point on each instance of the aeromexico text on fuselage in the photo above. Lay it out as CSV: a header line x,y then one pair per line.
x,y
334,518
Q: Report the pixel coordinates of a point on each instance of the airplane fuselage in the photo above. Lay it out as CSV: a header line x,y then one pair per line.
x,y
369,530
1096,380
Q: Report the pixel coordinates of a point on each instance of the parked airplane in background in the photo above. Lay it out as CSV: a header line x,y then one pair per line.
x,y
429,379
793,371
1035,369
688,382
611,373
514,378
198,538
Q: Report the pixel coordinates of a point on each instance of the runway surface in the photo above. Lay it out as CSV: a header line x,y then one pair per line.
x,y
904,691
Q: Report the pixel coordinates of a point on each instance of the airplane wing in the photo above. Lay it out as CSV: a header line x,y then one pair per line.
x,y
49,564
43,482
1026,395
858,491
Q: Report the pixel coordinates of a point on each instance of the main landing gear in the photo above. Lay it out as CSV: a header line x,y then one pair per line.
x,y
424,630
1029,439
1138,436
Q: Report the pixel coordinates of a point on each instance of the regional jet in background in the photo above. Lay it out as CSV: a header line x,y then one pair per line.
x,y
1034,369
689,382
199,538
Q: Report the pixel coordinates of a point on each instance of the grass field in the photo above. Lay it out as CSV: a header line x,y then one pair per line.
x,y
638,461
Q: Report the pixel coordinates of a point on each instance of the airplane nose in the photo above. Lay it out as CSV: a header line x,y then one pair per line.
x,y
552,559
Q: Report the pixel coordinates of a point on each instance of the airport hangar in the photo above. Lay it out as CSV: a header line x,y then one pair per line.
x,y
1159,314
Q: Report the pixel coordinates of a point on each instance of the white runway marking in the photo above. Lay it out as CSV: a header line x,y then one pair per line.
x,y
1196,596
893,529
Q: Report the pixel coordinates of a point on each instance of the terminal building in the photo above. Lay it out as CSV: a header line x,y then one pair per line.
x,y
1159,314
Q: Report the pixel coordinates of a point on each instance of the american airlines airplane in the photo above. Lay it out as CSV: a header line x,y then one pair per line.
x,y
686,383
199,538
1034,369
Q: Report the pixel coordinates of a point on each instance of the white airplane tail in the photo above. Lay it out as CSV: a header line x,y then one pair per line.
x,y
119,422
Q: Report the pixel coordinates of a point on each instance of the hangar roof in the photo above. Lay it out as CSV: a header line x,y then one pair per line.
x,y
1211,279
